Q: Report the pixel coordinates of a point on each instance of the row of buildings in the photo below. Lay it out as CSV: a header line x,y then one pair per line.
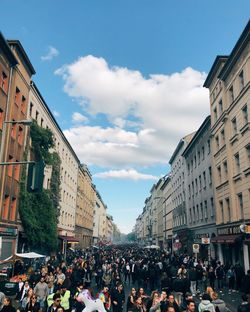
x,y
83,219
203,204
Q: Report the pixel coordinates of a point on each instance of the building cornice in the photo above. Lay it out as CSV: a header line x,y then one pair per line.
x,y
7,51
214,69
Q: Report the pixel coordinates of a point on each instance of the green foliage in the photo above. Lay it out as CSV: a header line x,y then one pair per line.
x,y
131,237
39,211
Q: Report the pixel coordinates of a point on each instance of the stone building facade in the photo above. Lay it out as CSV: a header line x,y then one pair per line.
x,y
199,191
100,220
178,176
229,87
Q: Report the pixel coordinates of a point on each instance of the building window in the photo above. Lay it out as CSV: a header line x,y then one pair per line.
x,y
4,82
37,114
203,152
195,161
215,114
231,94
225,169
208,147
188,168
204,179
20,135
217,142
10,167
193,214
219,173
212,207
6,204
241,79
198,214
31,109
16,172
1,119
17,96
228,210
234,126
221,211
245,114
13,130
196,186
222,133
237,163
23,105
210,175
199,157
240,206
201,207
41,122
13,209
190,215
189,191
248,154
205,210
200,183
221,106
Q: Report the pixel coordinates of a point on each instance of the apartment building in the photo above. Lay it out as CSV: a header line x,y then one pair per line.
x,y
84,207
228,82
16,71
109,228
167,203
100,220
178,176
199,191
39,111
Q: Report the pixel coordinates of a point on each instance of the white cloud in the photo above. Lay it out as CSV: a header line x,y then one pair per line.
x,y
56,113
129,174
78,118
52,53
148,116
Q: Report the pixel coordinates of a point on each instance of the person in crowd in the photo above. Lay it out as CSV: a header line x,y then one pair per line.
x,y
246,283
20,288
193,280
41,291
33,305
188,297
239,274
104,295
219,274
2,296
190,306
164,301
245,305
205,305
56,303
154,302
65,298
27,298
211,276
7,305
231,278
172,302
118,298
219,304
138,306
131,300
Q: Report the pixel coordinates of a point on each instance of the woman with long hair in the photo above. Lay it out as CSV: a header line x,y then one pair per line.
x,y
131,300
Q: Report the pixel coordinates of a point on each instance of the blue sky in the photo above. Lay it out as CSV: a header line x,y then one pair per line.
x,y
124,80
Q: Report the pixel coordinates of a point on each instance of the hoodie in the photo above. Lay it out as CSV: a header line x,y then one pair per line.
x,y
206,305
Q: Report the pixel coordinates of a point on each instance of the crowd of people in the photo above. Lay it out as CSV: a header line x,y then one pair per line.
x,y
158,282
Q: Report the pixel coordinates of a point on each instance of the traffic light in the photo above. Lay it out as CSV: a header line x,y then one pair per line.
x,y
35,176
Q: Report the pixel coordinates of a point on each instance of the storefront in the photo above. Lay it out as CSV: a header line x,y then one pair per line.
x,y
8,242
203,236
229,245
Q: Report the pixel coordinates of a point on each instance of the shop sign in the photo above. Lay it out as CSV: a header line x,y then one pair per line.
x,y
229,230
8,231
201,235
196,248
205,240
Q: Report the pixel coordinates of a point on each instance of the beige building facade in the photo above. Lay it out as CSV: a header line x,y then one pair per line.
x,y
100,220
229,86
39,111
85,207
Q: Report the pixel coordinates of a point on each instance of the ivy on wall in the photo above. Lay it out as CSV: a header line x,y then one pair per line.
x,y
39,211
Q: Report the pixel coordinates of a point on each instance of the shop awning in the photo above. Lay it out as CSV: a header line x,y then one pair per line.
x,y
69,239
226,239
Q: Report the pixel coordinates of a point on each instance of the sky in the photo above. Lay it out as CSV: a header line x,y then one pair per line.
x,y
124,79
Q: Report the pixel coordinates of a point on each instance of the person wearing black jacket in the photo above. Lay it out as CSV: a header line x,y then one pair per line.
x,y
7,305
33,305
118,298
56,303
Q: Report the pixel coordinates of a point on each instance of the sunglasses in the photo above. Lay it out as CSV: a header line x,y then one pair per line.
x,y
58,300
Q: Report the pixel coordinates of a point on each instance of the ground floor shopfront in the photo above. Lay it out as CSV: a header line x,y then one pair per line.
x,y
84,236
8,241
232,246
